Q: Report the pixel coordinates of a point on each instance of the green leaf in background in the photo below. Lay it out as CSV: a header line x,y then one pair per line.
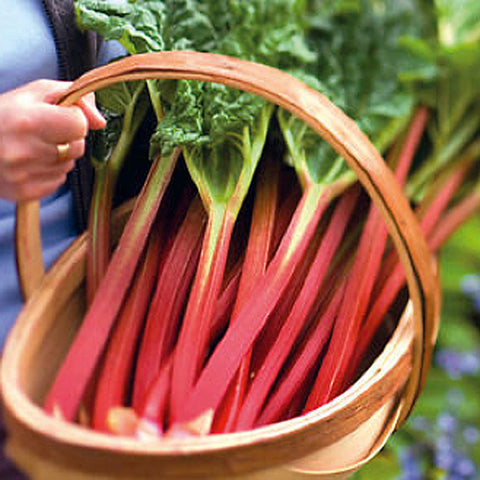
x,y
458,21
361,61
136,25
150,25
453,91
459,258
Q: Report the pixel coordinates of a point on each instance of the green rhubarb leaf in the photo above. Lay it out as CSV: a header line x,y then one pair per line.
x,y
183,121
103,141
124,105
150,25
119,97
136,25
360,66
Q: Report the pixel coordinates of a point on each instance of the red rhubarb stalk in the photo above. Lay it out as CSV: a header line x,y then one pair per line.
x,y
257,255
266,376
453,219
99,233
395,280
279,314
169,300
244,329
192,343
153,405
300,371
222,194
411,143
106,176
65,394
152,410
115,373
357,293
225,303
337,361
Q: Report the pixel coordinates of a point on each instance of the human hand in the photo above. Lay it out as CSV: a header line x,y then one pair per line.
x,y
31,128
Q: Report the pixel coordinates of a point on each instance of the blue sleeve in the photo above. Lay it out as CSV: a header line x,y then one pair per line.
x,y
111,50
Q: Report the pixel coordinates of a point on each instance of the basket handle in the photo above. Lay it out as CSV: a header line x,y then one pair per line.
x,y
322,116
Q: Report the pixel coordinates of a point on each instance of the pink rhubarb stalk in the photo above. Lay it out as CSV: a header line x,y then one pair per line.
x,y
117,367
296,321
244,329
192,344
395,280
294,379
358,290
65,395
361,282
169,300
256,258
106,176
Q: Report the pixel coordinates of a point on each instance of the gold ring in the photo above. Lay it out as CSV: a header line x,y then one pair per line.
x,y
62,151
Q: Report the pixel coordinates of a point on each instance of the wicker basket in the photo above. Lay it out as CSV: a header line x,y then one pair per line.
x,y
330,442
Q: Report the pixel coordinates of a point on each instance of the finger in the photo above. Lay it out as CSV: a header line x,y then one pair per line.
x,y
58,125
39,188
33,152
18,175
45,173
51,91
25,150
95,119
32,186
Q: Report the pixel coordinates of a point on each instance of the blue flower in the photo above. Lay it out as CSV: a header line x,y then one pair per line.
x,y
446,422
411,468
471,435
465,467
458,364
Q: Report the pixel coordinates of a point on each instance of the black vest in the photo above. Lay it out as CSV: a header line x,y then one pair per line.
x,y
77,52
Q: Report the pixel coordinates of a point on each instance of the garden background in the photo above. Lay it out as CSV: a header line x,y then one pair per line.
x,y
441,439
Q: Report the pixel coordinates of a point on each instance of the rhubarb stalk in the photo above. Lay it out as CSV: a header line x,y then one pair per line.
x,y
65,395
238,158
117,367
169,300
296,321
257,255
244,329
125,100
